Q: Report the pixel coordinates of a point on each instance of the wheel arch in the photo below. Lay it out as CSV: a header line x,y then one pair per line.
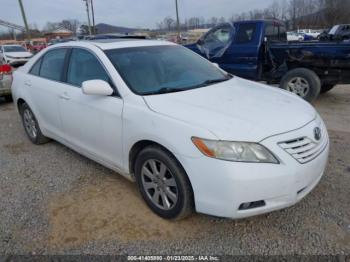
x,y
142,144
138,147
20,102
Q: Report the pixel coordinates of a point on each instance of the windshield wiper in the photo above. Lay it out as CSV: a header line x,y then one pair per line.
x,y
166,90
214,81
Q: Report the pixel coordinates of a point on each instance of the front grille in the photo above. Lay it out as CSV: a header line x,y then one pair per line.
x,y
304,149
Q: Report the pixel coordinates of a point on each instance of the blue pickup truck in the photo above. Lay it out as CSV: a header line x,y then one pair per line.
x,y
259,50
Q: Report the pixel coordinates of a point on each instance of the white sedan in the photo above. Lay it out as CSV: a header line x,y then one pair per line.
x,y
192,136
294,36
14,55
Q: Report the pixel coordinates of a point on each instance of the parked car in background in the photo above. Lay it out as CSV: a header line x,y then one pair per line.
x,y
14,55
60,41
294,36
192,136
259,50
310,32
5,81
36,47
336,33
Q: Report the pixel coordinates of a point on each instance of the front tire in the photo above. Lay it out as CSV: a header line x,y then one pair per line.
x,y
302,82
163,183
31,126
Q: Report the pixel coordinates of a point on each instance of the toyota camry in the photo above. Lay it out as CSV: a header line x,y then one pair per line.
x,y
192,137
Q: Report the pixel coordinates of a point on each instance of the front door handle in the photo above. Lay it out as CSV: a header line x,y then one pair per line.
x,y
65,97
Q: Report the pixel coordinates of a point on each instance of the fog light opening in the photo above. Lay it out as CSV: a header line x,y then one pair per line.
x,y
251,205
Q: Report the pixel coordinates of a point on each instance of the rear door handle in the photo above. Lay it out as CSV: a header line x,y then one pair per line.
x,y
65,97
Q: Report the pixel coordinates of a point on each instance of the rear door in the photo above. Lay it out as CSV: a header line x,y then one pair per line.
x,y
93,124
44,83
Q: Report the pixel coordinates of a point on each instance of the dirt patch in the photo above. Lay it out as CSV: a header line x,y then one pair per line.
x,y
110,209
16,149
6,106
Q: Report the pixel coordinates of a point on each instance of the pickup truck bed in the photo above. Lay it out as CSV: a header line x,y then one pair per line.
x,y
330,61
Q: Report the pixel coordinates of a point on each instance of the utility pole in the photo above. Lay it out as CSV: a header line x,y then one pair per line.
x,y
88,15
93,17
24,19
177,22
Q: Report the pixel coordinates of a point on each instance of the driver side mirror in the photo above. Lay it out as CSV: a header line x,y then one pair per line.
x,y
216,65
97,87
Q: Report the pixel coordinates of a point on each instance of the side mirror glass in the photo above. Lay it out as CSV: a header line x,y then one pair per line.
x,y
97,87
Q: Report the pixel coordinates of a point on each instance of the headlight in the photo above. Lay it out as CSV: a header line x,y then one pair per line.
x,y
235,151
11,57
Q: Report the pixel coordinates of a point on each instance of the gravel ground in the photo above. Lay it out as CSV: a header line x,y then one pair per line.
x,y
54,201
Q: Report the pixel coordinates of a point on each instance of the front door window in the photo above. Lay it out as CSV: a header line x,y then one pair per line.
x,y
215,43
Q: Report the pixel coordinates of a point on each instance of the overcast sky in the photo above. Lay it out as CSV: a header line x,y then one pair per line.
x,y
129,13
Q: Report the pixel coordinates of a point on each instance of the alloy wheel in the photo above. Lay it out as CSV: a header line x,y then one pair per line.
x,y
159,184
30,123
299,86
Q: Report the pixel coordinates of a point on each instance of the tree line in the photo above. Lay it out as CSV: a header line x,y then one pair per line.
x,y
73,25
313,14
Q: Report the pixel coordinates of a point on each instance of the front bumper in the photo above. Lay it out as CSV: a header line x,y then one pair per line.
x,y
221,187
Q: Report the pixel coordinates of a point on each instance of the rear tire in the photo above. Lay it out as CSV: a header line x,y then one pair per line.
x,y
31,126
326,88
168,193
303,82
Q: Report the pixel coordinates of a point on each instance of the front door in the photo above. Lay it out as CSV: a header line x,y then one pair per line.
x,y
93,124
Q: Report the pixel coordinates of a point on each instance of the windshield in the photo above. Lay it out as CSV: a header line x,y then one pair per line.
x,y
334,30
163,69
14,48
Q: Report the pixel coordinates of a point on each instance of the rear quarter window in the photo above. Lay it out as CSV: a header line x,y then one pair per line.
x,y
246,33
275,32
35,70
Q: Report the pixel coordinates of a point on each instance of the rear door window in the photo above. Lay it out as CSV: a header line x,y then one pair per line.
x,y
275,32
36,68
53,63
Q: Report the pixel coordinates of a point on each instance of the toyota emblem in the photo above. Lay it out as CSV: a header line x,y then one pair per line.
x,y
317,134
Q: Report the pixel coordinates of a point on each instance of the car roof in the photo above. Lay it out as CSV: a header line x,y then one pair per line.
x,y
106,44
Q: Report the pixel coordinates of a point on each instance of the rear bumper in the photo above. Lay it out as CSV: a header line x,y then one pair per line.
x,y
5,85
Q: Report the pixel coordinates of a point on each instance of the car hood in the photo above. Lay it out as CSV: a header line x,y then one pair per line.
x,y
237,109
18,54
